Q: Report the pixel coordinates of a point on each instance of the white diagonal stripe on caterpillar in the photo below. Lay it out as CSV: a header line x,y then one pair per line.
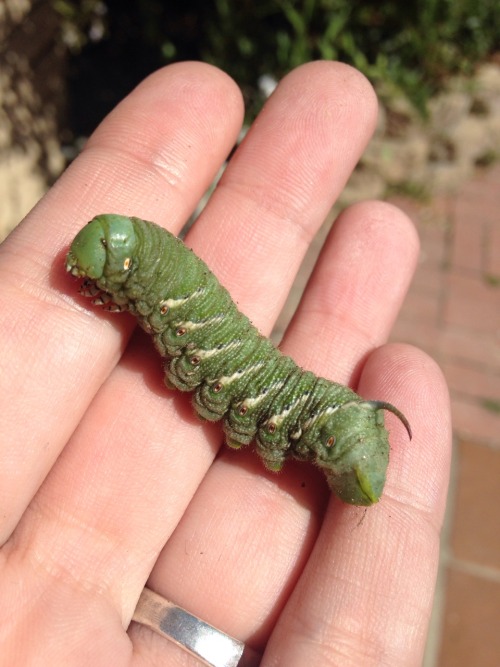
x,y
189,325
180,301
319,415
252,402
228,379
206,354
278,419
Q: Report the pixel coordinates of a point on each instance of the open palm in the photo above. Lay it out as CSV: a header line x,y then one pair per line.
x,y
107,480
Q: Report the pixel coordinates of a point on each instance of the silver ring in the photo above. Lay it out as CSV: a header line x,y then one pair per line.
x,y
211,646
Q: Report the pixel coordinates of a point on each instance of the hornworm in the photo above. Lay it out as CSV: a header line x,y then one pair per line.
x,y
236,374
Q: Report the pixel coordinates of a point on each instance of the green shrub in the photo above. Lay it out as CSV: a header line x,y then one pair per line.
x,y
412,46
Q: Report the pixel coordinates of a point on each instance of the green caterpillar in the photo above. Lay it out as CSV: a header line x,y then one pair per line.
x,y
236,374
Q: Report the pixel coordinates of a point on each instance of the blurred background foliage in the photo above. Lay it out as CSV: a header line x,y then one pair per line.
x,y
411,47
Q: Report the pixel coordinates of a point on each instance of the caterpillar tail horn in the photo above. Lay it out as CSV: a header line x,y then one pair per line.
x,y
383,405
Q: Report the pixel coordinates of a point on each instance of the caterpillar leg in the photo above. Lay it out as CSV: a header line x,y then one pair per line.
x,y
215,395
273,460
236,444
90,289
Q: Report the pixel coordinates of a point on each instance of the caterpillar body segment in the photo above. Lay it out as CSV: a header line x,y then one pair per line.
x,y
236,375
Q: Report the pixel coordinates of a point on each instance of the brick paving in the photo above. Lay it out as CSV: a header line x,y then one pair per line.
x,y
453,313
453,307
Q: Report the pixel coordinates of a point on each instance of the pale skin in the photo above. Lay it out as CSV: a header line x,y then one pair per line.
x,y
107,479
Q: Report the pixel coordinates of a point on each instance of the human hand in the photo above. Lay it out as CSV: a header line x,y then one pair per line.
x,y
108,480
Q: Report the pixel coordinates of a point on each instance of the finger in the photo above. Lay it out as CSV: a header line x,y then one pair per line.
x,y
101,517
355,291
282,182
365,596
250,542
95,512
155,153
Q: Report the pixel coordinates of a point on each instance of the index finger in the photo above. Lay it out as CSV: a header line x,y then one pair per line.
x,y
157,153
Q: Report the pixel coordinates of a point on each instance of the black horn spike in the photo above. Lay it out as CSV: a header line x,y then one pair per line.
x,y
383,405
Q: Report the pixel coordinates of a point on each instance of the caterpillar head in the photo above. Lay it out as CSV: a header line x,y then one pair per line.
x,y
103,249
351,446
